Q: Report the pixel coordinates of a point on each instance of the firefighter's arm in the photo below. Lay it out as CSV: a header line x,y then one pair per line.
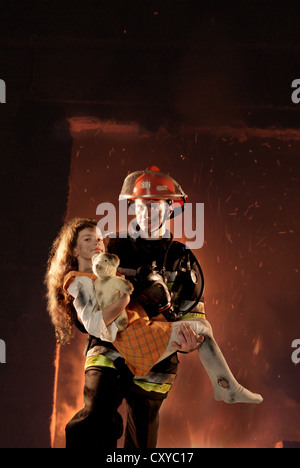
x,y
189,340
81,289
192,279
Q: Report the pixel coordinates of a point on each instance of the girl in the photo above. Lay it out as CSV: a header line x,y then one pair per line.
x,y
72,251
145,342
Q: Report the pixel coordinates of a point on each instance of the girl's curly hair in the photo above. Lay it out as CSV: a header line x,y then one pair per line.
x,y
61,261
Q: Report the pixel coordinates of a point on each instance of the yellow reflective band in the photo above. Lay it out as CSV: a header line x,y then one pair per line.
x,y
193,315
102,361
99,360
152,387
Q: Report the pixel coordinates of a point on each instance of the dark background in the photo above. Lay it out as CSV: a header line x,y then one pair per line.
x,y
213,80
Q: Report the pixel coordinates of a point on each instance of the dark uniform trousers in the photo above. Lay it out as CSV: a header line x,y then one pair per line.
x,y
99,424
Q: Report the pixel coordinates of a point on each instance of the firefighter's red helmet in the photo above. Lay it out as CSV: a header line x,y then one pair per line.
x,y
152,184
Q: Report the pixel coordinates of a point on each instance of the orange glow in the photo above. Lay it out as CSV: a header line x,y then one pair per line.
x,y
53,418
81,124
68,388
248,181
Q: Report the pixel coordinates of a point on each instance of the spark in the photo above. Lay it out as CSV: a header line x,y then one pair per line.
x,y
260,241
257,346
229,238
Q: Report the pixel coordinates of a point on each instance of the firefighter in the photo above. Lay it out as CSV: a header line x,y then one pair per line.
x,y
150,261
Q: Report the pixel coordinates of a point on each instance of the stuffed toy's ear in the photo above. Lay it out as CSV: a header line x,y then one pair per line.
x,y
116,260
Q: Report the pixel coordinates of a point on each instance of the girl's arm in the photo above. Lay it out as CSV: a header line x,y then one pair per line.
x,y
113,311
85,304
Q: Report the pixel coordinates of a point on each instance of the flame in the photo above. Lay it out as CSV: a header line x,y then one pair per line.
x,y
68,388
53,417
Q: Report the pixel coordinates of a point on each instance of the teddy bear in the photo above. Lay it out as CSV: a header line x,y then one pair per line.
x,y
108,285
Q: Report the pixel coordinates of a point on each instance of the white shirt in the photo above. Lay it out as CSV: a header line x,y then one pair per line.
x,y
85,304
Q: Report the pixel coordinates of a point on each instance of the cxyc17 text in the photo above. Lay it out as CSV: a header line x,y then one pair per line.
x,y
176,457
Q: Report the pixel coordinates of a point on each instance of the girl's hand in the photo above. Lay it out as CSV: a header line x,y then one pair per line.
x,y
123,300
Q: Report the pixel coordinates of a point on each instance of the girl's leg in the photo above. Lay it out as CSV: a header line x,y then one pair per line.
x,y
226,387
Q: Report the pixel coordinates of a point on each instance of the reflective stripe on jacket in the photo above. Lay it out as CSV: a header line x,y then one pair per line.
x,y
153,382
